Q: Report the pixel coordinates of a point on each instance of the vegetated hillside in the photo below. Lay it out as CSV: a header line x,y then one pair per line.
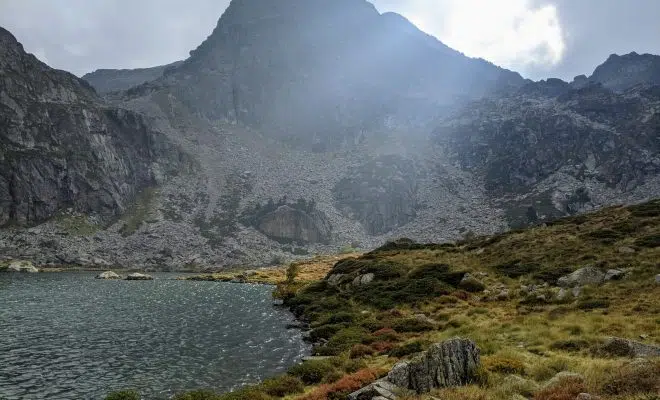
x,y
543,331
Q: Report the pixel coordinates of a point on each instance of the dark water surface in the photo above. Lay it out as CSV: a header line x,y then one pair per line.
x,y
69,336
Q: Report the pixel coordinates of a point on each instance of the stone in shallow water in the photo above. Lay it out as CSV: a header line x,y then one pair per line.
x,y
22,266
139,277
108,275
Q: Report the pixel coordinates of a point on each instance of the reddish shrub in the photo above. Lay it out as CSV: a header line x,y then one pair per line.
x,y
382,346
384,331
344,386
361,350
566,389
461,294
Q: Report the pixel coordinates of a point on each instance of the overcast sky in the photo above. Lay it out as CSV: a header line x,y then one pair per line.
x,y
538,38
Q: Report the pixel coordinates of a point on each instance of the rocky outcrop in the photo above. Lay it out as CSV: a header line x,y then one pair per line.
x,y
454,362
21,266
381,194
624,72
108,275
292,225
62,147
112,80
139,277
581,277
620,347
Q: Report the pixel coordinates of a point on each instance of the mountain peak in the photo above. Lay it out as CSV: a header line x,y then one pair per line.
x,y
621,72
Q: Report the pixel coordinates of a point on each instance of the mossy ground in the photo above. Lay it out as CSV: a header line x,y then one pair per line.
x,y
525,339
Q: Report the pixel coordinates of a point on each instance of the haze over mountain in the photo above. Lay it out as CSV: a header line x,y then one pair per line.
x,y
308,126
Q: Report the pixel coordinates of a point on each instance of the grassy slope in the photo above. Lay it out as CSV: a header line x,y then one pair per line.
x,y
525,339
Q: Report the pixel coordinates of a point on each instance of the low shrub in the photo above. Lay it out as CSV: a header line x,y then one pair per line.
x,y
408,348
570,345
591,304
344,386
504,365
354,365
360,350
637,377
198,395
282,386
124,395
312,372
413,325
325,331
382,346
472,285
651,241
248,393
386,334
566,388
516,268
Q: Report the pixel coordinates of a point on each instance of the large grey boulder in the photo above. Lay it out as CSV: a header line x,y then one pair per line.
x,y
21,266
620,347
139,277
453,362
583,276
108,275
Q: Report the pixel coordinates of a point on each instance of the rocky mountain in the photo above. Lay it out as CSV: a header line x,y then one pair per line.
x,y
62,147
623,72
315,126
113,80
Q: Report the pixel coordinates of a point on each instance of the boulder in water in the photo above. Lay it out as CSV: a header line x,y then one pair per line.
x,y
108,275
139,277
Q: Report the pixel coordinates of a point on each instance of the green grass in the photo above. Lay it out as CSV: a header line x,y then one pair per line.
x,y
416,298
139,212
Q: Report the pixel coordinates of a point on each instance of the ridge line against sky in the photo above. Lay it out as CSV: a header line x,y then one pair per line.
x,y
538,38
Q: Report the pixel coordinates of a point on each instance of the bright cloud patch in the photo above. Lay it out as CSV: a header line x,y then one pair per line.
x,y
511,33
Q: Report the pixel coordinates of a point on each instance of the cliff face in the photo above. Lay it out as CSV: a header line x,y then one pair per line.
x,y
113,80
324,72
623,72
63,148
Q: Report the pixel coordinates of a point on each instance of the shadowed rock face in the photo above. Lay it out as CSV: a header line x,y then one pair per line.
x,y
60,146
112,80
620,73
380,194
323,71
291,225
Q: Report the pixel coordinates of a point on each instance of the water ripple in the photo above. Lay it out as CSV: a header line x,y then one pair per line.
x,y
69,336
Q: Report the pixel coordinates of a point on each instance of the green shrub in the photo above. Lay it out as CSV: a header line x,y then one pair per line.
x,y
472,285
325,331
282,386
360,350
344,340
504,365
312,372
248,393
516,269
354,365
124,395
590,304
413,325
197,395
408,348
651,241
570,345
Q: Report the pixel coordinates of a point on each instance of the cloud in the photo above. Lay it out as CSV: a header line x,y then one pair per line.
x,y
516,34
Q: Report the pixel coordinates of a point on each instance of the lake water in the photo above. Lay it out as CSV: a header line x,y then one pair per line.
x,y
70,336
